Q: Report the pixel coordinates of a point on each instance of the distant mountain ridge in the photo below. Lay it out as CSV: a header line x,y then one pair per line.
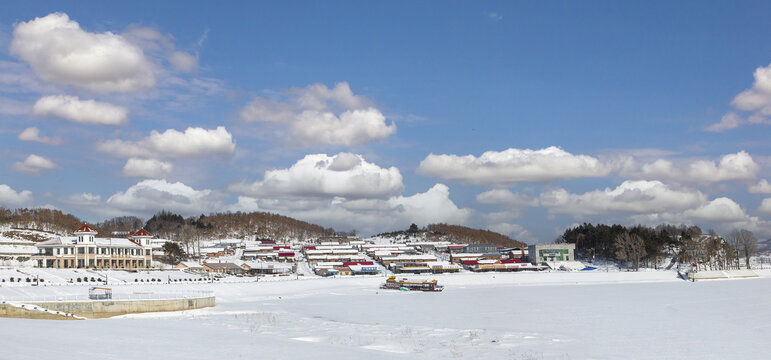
x,y
237,225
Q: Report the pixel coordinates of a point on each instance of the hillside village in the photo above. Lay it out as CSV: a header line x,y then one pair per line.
x,y
221,248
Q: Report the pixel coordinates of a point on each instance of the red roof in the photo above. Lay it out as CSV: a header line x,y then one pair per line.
x,y
309,247
456,246
510,261
142,232
286,254
85,228
349,263
267,242
470,262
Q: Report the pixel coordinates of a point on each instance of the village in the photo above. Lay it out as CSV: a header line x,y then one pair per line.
x,y
85,257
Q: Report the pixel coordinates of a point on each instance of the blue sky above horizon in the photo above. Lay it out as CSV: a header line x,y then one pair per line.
x,y
519,117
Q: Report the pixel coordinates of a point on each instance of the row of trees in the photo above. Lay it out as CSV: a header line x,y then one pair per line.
x,y
645,246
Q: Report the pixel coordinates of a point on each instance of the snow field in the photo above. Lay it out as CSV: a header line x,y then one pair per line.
x,y
557,315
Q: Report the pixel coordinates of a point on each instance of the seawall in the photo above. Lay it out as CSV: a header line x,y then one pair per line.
x,y
96,309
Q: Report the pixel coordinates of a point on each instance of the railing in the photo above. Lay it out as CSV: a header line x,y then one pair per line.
x,y
127,296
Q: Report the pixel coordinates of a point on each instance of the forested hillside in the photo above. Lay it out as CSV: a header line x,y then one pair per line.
x,y
456,234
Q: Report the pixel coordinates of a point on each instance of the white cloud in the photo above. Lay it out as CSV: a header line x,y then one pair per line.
x,y
513,166
319,115
759,96
10,198
61,52
739,166
319,175
149,168
756,100
149,196
765,206
762,187
729,121
631,197
33,164
507,198
83,199
367,215
184,62
82,111
514,203
514,231
194,142
721,209
33,134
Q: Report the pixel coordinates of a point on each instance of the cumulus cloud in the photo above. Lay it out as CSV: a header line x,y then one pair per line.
x,y
71,108
10,198
756,100
33,134
762,187
367,215
149,196
631,197
148,168
61,52
739,166
194,142
512,166
33,164
765,207
343,175
317,114
721,209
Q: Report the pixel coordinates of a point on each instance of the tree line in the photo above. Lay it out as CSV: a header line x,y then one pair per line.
x,y
640,245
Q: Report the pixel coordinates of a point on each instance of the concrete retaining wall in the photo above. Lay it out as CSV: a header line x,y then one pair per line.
x,y
725,274
107,308
24,312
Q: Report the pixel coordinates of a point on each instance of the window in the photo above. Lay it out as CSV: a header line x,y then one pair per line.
x,y
90,250
81,250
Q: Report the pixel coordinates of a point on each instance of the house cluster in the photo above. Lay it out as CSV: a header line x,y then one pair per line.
x,y
325,256
339,256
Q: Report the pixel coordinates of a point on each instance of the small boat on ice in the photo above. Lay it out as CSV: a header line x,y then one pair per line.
x,y
405,284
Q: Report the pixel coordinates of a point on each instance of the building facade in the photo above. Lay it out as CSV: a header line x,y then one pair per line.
x,y
85,250
541,253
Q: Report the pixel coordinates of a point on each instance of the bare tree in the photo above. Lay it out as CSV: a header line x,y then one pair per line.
x,y
630,248
745,243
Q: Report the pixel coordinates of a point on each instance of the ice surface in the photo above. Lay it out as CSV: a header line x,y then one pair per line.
x,y
555,315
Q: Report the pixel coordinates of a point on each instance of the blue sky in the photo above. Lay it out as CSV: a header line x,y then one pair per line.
x,y
520,117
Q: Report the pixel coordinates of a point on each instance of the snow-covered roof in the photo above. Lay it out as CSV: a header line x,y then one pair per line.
x,y
409,257
105,242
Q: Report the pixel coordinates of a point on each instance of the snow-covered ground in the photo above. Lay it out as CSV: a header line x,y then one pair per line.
x,y
551,315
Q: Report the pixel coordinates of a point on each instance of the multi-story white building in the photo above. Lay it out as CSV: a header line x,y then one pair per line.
x,y
85,250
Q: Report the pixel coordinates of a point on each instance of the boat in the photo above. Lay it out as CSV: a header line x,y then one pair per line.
x,y
405,284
